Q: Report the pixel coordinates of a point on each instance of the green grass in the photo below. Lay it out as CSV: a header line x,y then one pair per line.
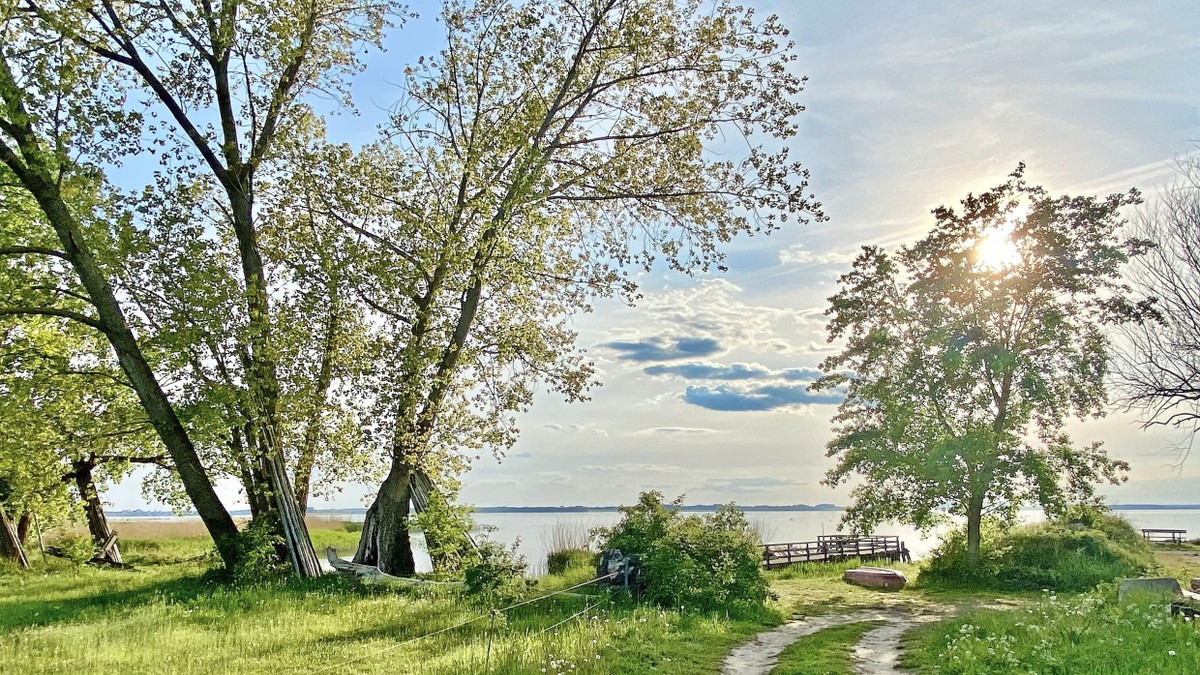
x,y
826,652
169,617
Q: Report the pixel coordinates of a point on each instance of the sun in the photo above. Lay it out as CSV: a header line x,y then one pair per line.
x,y
994,249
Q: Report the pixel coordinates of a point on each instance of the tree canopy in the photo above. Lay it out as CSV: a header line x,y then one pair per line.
x,y
961,366
279,302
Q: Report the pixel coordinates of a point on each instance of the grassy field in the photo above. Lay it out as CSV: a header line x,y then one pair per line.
x,y
170,617
167,617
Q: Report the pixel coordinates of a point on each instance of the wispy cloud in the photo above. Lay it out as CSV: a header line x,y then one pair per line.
x,y
709,371
677,431
630,468
750,484
764,397
664,349
799,255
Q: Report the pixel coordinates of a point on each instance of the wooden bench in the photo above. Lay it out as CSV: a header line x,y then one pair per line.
x,y
1163,536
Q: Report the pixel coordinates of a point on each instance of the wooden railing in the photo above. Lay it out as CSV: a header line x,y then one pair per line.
x,y
832,548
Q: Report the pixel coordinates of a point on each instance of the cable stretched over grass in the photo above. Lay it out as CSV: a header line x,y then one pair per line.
x,y
473,620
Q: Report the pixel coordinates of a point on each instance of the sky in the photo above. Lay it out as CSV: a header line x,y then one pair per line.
x,y
909,106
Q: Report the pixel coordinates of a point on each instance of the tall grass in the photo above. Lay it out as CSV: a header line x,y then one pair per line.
x,y
567,545
827,651
764,529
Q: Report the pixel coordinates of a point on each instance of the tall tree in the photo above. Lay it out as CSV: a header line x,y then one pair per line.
x,y
67,413
229,78
965,353
1159,361
41,127
548,148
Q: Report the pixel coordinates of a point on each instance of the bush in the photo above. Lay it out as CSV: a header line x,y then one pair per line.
x,y
710,563
446,528
496,575
77,549
259,556
1075,552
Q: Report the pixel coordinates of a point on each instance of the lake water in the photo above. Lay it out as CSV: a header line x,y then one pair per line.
x,y
534,533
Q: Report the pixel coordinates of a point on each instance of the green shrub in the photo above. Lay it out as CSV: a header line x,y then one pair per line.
x,y
1075,552
710,563
352,526
259,556
495,575
447,528
77,549
558,562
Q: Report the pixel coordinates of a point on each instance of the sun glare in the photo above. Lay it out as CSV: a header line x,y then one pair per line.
x,y
995,250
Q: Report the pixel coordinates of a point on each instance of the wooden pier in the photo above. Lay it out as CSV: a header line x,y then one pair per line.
x,y
834,548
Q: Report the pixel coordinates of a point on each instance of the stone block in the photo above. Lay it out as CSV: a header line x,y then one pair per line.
x,y
1164,586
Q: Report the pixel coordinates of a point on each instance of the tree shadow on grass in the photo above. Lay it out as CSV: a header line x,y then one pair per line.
x,y
17,612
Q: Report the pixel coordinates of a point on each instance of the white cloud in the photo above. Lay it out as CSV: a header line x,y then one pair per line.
x,y
799,255
677,431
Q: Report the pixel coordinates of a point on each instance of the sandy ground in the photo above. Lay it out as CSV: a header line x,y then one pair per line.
x,y
876,654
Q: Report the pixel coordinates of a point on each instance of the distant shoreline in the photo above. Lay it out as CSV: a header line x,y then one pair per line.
x,y
700,508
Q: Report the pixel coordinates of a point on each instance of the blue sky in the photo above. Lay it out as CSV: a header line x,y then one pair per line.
x,y
909,105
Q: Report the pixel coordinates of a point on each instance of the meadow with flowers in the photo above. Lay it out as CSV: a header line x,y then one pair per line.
x,y
1092,632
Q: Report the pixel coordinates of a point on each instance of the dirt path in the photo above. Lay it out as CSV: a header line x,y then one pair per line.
x,y
876,654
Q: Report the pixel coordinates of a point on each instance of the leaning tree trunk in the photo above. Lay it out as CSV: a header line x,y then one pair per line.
x,y
104,539
10,544
299,546
312,432
23,524
385,541
38,177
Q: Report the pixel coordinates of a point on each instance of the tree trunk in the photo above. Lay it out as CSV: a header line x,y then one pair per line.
x,y
102,536
262,377
23,524
299,546
385,542
974,529
35,174
10,545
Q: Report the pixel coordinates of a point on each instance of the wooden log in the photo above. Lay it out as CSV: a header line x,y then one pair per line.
x,y
371,574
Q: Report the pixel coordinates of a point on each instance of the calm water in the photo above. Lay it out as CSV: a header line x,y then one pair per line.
x,y
534,533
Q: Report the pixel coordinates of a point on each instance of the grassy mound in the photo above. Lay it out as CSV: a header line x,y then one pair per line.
x,y
1072,553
